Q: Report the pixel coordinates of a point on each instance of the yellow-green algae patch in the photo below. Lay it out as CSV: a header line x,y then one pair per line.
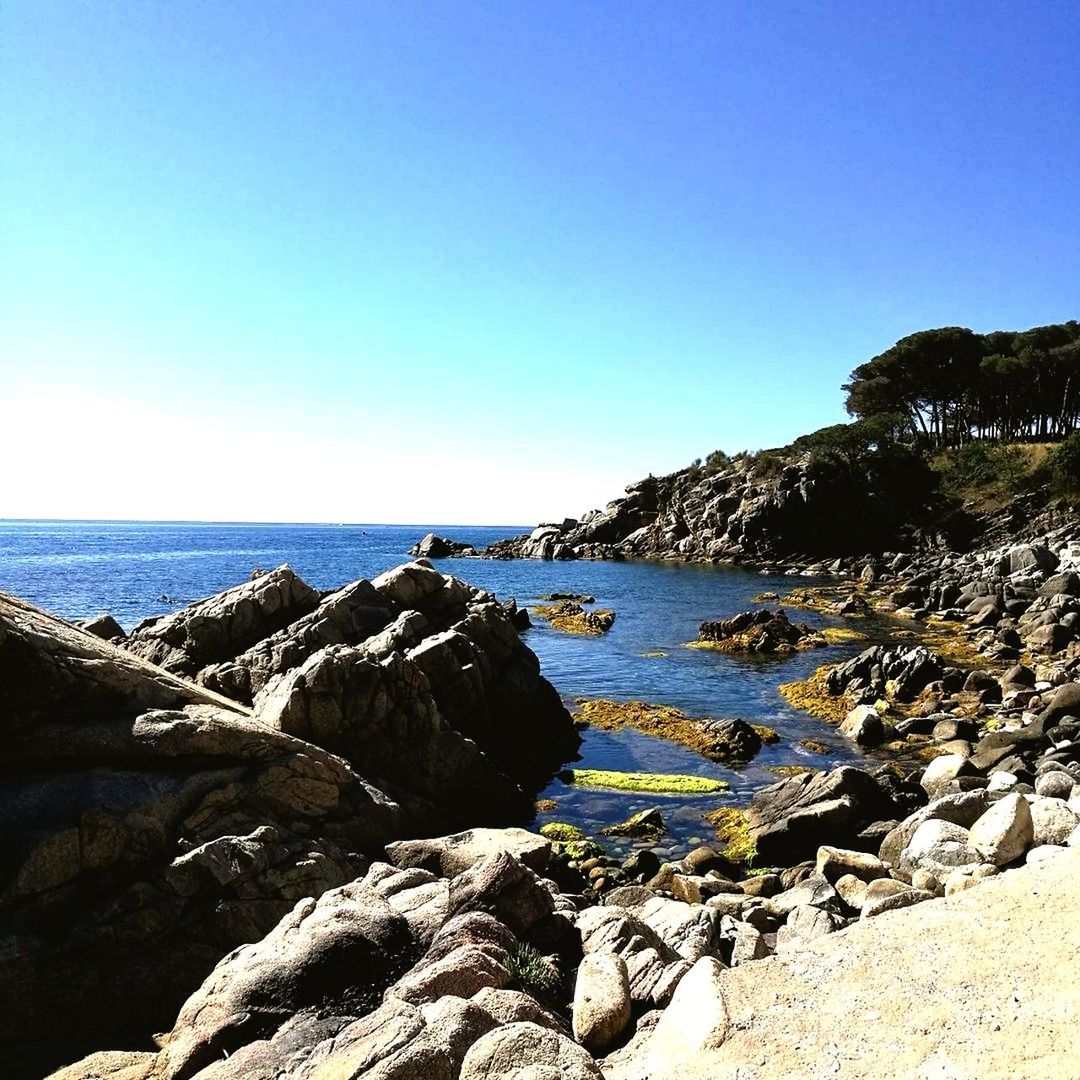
x,y
840,635
815,746
790,770
571,618
812,696
644,825
767,735
664,722
647,783
732,826
561,832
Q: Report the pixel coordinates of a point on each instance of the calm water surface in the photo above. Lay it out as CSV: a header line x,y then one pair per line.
x,y
79,569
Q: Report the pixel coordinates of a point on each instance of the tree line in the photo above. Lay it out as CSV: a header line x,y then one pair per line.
x,y
951,385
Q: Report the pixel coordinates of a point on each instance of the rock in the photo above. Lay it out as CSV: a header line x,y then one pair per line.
x,y
812,891
645,823
381,716
749,944
345,948
156,826
526,1051
653,966
439,547
940,847
453,855
852,891
759,631
110,1065
1051,820
513,1006
692,930
504,887
940,772
1004,832
863,724
885,895
1054,784
1065,702
695,1022
833,863
790,820
601,1001
960,809
224,625
803,924
104,626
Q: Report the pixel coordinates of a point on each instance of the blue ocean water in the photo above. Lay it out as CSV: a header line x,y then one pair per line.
x,y
136,569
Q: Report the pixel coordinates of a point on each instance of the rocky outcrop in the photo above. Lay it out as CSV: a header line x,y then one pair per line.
x,y
769,507
223,625
152,824
439,547
789,820
760,631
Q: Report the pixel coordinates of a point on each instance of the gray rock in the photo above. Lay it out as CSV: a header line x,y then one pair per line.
x,y
346,949
1004,832
504,887
449,856
803,924
864,725
879,899
1052,821
512,1050
833,863
601,1010
939,847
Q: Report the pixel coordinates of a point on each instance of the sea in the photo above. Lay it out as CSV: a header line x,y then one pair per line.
x,y
132,569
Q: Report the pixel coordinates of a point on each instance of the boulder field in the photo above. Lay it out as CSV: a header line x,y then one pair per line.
x,y
230,828
164,802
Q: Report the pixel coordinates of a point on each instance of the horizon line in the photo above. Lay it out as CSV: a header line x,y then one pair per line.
x,y
224,521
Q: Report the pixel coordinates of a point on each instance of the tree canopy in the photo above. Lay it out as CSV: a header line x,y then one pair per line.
x,y
951,385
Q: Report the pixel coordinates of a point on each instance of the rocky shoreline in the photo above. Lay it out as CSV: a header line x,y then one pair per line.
x,y
258,773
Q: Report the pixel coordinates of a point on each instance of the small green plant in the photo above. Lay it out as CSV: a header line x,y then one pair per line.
x,y
532,972
1064,465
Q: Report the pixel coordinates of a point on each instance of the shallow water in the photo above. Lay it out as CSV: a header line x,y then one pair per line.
x,y
79,569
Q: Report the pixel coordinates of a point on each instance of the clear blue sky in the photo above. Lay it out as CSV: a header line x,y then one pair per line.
x,y
488,262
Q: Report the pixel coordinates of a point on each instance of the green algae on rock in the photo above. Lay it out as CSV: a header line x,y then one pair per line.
x,y
732,826
790,770
561,831
647,783
815,746
644,825
729,741
571,618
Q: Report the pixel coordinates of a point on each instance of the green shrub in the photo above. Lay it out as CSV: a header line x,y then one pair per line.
x,y
531,972
977,466
1064,466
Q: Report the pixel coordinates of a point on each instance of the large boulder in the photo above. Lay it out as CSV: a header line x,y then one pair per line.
x,y
789,820
341,951
223,625
530,1052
